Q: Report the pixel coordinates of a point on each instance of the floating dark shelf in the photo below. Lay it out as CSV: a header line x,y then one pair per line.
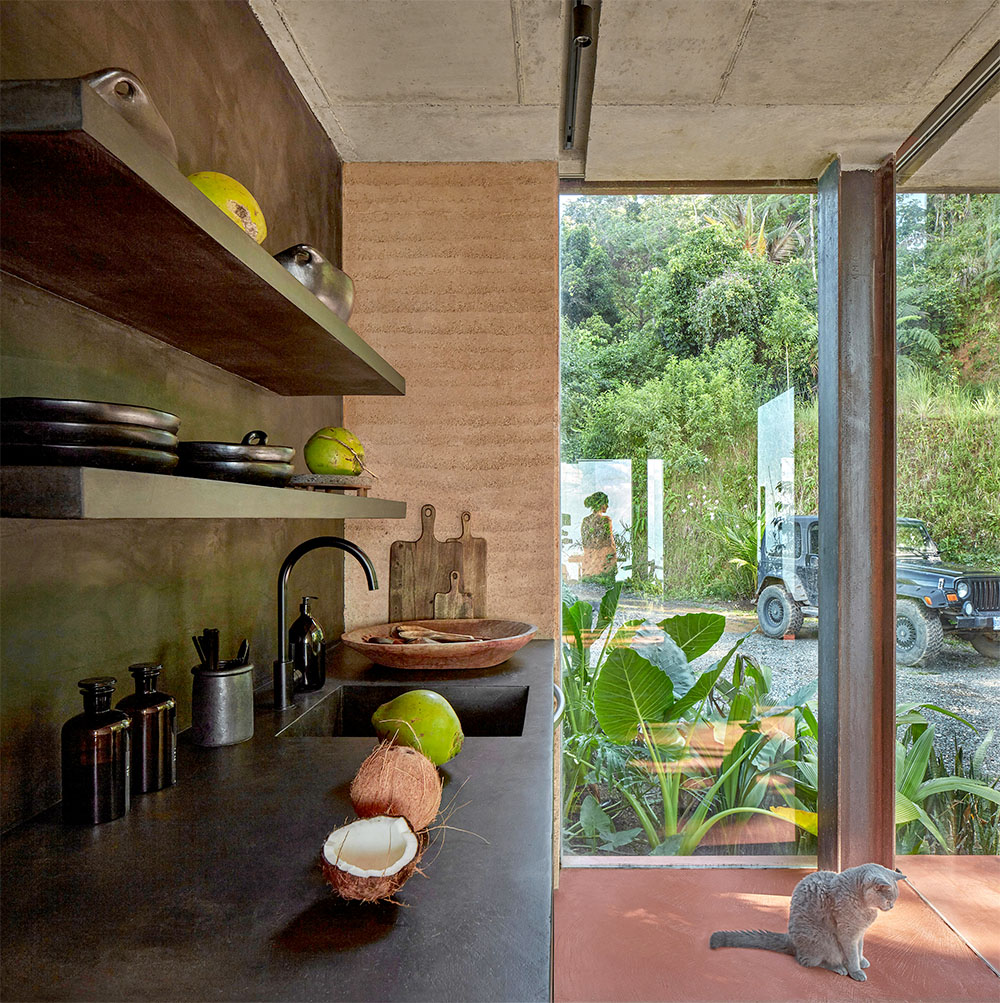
x,y
97,493
92,213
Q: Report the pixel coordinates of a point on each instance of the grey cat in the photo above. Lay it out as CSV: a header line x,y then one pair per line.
x,y
827,919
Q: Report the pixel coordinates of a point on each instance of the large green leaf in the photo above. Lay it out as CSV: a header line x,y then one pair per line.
x,y
915,763
629,689
694,633
702,687
907,810
941,785
609,606
576,619
593,818
908,713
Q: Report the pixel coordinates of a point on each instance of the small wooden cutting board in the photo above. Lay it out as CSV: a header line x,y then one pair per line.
x,y
472,566
453,605
419,569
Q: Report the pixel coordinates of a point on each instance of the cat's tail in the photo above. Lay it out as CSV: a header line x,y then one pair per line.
x,y
766,940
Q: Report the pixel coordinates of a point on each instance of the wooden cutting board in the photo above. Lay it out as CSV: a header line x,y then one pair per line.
x,y
419,569
453,605
472,566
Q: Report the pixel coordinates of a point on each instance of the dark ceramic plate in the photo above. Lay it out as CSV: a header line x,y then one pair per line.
x,y
56,409
80,433
233,452
117,457
273,474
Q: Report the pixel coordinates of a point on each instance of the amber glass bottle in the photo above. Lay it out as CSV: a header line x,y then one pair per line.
x,y
95,757
305,638
153,730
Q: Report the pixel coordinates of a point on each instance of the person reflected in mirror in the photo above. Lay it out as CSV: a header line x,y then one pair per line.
x,y
600,555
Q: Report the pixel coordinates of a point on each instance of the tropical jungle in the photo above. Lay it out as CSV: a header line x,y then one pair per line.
x,y
680,316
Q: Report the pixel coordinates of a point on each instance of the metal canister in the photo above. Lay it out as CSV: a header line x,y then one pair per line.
x,y
222,704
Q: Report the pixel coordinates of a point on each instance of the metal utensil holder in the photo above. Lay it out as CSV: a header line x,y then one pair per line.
x,y
222,704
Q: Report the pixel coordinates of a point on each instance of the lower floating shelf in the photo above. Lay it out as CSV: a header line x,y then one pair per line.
x,y
96,493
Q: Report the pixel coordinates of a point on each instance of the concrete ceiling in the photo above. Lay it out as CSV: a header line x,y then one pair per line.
x,y
682,89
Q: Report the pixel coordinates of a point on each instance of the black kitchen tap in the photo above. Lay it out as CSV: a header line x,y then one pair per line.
x,y
283,675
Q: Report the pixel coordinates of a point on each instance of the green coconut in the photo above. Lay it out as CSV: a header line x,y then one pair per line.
x,y
423,720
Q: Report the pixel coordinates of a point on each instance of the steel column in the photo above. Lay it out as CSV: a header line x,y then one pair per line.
x,y
857,459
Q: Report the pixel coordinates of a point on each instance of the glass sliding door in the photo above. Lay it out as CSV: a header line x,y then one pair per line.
x,y
689,513
948,534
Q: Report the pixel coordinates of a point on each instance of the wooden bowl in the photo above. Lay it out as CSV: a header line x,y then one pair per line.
x,y
501,638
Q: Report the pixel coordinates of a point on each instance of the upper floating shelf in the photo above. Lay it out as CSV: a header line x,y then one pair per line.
x,y
92,213
98,493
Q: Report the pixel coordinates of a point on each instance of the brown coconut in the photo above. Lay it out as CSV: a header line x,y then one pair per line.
x,y
398,780
371,858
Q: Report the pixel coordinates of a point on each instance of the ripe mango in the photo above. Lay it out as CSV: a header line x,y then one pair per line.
x,y
233,199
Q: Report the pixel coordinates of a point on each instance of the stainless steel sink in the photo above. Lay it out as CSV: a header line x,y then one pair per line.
x,y
347,711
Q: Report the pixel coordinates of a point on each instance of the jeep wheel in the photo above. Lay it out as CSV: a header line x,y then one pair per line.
x,y
778,613
918,632
987,644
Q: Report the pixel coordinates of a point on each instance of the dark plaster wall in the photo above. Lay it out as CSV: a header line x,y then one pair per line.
x,y
86,598
216,80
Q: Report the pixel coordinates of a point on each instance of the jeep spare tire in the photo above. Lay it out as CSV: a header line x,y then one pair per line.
x,y
918,632
778,613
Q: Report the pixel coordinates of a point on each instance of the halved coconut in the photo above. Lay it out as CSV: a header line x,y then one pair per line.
x,y
398,780
371,858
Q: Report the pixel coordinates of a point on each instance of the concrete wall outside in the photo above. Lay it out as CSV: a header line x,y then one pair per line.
x,y
456,275
90,597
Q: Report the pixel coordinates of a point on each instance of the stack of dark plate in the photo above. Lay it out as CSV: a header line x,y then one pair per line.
x,y
251,461
53,432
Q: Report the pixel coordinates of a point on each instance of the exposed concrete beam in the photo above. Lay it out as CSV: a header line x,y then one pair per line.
x,y
574,186
975,90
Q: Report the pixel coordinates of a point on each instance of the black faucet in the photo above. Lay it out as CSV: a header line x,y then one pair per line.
x,y
283,676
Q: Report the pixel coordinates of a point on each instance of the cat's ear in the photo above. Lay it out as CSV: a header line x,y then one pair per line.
x,y
899,875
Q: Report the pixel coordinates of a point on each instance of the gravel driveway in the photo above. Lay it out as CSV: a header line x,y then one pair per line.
x,y
960,679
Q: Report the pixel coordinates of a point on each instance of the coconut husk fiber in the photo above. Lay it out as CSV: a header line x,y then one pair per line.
x,y
398,780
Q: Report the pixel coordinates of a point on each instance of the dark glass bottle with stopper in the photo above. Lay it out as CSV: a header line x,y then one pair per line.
x,y
305,638
95,757
153,730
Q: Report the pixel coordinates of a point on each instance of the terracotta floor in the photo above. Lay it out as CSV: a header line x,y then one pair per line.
x,y
641,934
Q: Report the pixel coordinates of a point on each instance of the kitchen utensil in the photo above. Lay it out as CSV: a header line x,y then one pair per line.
x,y
57,409
210,645
117,457
273,474
200,649
501,639
419,569
222,704
473,565
323,279
125,92
453,605
243,655
253,448
82,433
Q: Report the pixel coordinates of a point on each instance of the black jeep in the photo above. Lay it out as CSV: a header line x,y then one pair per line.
x,y
931,597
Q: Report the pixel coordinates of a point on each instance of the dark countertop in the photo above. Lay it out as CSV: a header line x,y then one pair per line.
x,y
211,890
